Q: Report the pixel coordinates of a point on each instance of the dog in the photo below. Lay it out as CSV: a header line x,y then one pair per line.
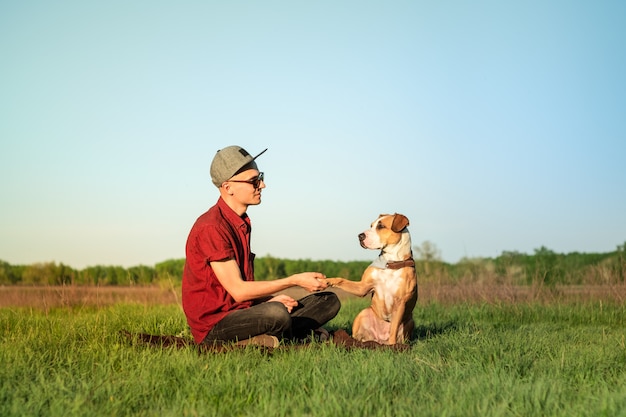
x,y
391,279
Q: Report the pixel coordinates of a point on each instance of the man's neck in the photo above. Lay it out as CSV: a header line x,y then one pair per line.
x,y
235,205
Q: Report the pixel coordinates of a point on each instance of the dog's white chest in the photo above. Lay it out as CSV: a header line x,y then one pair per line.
x,y
386,285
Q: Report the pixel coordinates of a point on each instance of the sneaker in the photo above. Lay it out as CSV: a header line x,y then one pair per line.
x,y
318,335
264,340
321,334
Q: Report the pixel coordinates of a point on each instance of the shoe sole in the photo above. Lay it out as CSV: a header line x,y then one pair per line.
x,y
263,340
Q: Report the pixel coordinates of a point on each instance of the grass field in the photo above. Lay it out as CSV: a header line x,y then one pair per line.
x,y
537,357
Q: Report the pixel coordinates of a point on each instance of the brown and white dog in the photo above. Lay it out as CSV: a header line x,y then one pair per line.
x,y
391,279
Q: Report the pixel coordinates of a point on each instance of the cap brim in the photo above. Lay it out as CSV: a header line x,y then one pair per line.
x,y
262,152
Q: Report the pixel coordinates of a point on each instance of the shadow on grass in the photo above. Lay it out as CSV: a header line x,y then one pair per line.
x,y
431,330
420,333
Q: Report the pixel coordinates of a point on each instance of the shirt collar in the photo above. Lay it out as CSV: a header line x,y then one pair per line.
x,y
236,220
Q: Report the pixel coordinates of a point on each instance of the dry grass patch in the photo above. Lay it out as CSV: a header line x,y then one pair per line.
x,y
47,297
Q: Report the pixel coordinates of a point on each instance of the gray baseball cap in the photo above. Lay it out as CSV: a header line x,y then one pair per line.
x,y
228,162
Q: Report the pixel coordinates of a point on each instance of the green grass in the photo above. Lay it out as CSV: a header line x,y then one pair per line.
x,y
467,360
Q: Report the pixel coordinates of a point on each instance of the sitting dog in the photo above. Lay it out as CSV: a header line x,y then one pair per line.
x,y
391,279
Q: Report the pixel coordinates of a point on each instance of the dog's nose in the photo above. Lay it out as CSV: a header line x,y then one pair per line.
x,y
361,237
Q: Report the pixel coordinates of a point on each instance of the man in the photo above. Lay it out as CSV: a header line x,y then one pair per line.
x,y
222,301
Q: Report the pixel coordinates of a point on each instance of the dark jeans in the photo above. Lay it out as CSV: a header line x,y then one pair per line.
x,y
273,318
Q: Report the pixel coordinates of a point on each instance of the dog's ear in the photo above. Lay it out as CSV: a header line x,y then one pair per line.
x,y
400,221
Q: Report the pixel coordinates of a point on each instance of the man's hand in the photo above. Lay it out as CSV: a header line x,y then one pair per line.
x,y
311,281
285,300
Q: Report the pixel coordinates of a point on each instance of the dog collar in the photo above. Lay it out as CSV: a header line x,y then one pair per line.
x,y
401,264
381,263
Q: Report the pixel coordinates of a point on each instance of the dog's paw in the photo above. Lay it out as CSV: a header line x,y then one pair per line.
x,y
333,282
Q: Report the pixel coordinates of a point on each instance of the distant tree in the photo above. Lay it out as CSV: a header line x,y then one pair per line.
x,y
105,275
268,267
512,255
546,268
64,275
427,251
170,269
8,275
141,274
42,273
620,267
427,255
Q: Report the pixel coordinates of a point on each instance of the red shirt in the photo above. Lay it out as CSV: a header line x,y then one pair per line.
x,y
217,235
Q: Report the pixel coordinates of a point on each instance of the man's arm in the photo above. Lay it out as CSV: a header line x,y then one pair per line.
x,y
228,274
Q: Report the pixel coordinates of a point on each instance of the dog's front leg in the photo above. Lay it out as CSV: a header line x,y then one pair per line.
x,y
396,320
358,288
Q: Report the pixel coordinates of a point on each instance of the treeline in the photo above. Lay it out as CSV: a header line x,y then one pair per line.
x,y
51,273
543,266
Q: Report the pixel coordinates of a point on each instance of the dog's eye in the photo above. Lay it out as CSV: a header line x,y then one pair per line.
x,y
380,226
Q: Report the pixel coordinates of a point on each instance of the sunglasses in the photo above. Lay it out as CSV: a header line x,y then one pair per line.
x,y
256,181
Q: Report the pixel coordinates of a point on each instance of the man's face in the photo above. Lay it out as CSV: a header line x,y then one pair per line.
x,y
246,186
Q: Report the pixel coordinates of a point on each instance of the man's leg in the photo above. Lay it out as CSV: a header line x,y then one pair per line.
x,y
313,311
265,318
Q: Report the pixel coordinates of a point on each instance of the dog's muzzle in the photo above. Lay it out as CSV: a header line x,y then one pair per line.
x,y
362,240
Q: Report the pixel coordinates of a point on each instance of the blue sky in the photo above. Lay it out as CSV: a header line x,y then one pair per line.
x,y
492,125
